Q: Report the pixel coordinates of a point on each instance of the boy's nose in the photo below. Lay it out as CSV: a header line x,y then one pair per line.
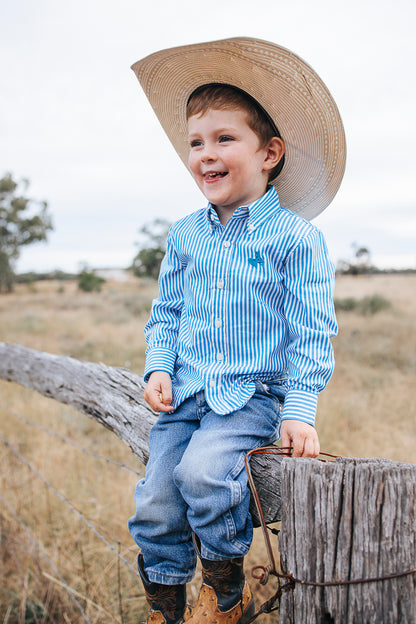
x,y
208,153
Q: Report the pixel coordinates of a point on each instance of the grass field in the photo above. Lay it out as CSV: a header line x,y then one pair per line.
x,y
368,409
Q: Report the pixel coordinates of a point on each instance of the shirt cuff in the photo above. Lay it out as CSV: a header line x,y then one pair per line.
x,y
300,405
159,359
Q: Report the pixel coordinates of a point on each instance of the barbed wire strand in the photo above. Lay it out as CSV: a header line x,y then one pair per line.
x,y
45,557
64,500
102,528
68,441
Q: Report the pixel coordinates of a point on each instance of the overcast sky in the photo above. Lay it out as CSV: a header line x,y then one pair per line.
x,y
73,118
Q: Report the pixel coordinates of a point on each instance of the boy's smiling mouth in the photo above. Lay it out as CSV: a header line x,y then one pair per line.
x,y
213,175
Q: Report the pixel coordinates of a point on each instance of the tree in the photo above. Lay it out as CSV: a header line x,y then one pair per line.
x,y
152,248
359,264
22,221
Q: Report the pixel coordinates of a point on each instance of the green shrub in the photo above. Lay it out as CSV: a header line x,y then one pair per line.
x,y
368,305
374,304
89,282
347,304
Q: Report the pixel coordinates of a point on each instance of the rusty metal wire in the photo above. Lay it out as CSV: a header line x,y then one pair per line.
x,y
291,581
54,434
64,500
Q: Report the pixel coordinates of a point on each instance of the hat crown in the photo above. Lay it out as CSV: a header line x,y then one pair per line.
x,y
285,86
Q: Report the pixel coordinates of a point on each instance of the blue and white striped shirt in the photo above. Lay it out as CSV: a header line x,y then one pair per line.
x,y
248,300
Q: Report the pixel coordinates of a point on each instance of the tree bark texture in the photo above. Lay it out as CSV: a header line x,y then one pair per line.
x,y
112,396
347,520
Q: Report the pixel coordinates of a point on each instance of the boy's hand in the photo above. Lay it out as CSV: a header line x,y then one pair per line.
x,y
158,392
303,437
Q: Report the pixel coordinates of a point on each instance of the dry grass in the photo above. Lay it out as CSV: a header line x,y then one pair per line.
x,y
367,410
369,406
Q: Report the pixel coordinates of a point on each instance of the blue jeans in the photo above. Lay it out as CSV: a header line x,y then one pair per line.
x,y
196,482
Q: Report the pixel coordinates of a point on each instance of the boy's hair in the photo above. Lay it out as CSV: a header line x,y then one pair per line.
x,y
226,97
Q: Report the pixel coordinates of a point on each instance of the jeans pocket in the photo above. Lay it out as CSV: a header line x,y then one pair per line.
x,y
273,396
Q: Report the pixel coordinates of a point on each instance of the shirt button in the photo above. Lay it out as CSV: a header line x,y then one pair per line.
x,y
220,283
218,322
250,227
220,357
212,383
226,244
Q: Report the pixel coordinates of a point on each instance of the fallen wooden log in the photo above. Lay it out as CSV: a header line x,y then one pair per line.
x,y
113,397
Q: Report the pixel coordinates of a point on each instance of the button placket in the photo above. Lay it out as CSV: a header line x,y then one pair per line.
x,y
220,300
217,321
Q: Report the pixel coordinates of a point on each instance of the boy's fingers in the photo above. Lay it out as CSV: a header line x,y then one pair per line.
x,y
285,441
306,447
165,394
298,447
158,405
303,437
154,397
312,448
309,449
158,392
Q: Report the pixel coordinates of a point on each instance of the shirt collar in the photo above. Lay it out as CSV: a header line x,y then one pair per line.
x,y
263,209
255,213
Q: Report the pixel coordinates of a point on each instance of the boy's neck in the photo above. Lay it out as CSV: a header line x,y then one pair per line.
x,y
225,213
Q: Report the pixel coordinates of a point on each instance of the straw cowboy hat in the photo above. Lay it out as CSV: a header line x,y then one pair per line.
x,y
285,86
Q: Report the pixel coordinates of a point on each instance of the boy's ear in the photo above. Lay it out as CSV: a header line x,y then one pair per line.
x,y
275,150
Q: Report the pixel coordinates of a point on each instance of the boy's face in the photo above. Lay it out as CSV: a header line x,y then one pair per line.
x,y
226,160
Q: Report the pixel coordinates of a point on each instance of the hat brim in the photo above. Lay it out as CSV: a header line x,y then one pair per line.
x,y
288,89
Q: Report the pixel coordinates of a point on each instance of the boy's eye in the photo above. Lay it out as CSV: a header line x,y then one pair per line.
x,y
225,138
195,143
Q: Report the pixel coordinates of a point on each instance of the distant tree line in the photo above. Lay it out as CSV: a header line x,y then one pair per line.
x,y
359,264
23,221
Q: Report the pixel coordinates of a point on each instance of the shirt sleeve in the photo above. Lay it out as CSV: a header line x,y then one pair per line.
x,y
161,331
310,314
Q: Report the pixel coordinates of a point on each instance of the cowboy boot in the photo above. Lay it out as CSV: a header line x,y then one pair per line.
x,y
225,596
167,602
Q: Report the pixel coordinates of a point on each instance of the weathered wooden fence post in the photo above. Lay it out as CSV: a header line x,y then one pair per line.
x,y
343,521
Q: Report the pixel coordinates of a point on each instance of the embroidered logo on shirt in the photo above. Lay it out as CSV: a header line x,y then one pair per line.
x,y
256,261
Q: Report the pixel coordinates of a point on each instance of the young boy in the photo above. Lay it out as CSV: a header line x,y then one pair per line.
x,y
239,337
